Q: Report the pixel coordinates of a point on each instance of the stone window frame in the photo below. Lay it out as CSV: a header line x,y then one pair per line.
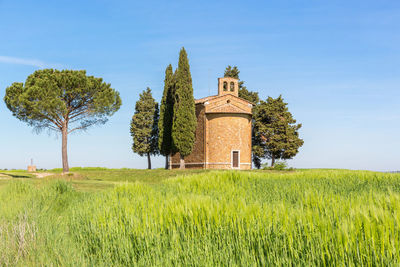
x,y
232,86
235,150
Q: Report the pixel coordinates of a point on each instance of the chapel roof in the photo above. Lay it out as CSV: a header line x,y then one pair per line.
x,y
208,98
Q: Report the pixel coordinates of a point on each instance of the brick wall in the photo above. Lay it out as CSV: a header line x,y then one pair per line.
x,y
225,133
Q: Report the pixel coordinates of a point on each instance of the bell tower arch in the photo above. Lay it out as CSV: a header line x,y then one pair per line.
x,y
228,85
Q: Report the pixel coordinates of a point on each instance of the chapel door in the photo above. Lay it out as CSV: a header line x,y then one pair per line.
x,y
235,159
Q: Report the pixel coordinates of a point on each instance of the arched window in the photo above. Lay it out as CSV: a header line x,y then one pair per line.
x,y
225,86
232,86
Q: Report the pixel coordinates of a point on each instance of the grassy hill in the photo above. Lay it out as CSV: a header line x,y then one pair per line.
x,y
145,218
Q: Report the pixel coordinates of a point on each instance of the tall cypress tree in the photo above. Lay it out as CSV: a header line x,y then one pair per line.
x,y
184,119
276,131
144,126
166,116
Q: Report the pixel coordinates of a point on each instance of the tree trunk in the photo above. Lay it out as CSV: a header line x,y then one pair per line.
x,y
166,162
182,163
272,162
148,161
64,132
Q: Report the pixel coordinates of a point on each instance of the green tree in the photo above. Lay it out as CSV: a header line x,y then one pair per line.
x,y
63,101
184,119
166,116
144,126
251,96
275,130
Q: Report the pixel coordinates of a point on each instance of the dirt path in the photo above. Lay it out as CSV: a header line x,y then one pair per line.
x,y
42,174
3,176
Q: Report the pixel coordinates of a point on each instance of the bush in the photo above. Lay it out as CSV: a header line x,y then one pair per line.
x,y
264,166
279,166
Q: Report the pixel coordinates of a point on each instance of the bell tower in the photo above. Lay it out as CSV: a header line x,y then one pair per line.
x,y
228,85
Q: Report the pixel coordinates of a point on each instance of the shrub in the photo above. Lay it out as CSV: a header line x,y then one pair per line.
x,y
279,166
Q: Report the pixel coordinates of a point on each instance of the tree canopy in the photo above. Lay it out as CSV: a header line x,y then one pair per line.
x,y
144,126
276,133
64,101
184,118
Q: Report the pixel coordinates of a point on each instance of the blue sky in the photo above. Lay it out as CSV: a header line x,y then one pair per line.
x,y
337,64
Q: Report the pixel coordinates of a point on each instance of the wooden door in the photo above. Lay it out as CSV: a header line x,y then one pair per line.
x,y
235,159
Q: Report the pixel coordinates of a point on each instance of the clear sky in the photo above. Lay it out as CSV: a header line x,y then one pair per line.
x,y
337,64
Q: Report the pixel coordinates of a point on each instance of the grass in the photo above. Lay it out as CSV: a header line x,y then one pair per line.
x,y
94,179
132,217
127,175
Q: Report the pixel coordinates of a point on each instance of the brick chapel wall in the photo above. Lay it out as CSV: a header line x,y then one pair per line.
x,y
227,132
196,159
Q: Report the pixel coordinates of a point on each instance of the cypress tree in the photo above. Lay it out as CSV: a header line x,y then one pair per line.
x,y
184,119
166,116
144,126
276,131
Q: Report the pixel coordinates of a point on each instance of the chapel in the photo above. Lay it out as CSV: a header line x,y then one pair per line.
x,y
223,133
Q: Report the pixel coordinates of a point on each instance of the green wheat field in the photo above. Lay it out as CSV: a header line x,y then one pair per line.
x,y
103,217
